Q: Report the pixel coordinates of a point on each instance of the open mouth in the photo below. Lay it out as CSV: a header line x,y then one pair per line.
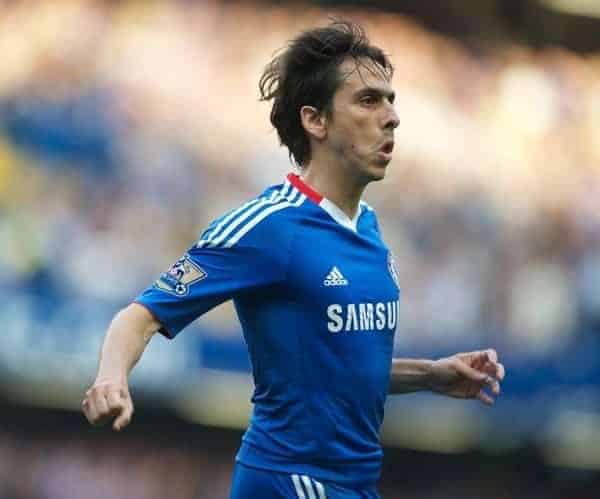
x,y
388,147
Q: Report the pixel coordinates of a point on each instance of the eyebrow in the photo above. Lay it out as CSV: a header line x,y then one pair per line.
x,y
390,94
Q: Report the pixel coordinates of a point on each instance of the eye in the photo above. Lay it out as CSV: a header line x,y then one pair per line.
x,y
368,100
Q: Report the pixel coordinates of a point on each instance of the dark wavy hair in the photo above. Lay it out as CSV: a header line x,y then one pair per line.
x,y
306,73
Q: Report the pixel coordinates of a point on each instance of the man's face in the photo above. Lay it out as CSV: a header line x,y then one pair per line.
x,y
360,129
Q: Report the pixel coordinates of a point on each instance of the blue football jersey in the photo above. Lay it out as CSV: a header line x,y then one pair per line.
x,y
317,297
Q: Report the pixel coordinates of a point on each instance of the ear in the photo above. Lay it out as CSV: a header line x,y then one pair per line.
x,y
314,122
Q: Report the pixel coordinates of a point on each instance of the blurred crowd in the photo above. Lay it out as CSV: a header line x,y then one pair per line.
x,y
125,127
76,467
75,464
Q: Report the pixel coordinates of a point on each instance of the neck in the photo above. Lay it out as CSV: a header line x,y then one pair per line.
x,y
335,184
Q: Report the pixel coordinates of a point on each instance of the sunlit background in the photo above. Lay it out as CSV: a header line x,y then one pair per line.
x,y
126,126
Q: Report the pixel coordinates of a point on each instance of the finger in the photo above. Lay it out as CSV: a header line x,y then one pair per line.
x,y
98,408
479,358
90,411
470,373
124,418
485,398
494,386
116,404
500,372
495,370
130,407
99,400
85,407
492,355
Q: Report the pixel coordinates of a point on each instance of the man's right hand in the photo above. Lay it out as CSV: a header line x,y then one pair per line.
x,y
106,400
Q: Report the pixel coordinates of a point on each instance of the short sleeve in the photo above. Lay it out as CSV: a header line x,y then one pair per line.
x,y
212,272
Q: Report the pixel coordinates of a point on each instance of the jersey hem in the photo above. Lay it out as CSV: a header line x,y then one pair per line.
x,y
253,457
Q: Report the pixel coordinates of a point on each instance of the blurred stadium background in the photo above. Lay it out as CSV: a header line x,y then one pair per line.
x,y
125,126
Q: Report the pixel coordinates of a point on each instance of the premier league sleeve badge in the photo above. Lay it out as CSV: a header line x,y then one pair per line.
x,y
178,279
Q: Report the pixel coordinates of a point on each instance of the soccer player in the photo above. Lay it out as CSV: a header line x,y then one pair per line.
x,y
313,283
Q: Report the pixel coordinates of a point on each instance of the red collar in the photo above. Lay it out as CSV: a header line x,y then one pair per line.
x,y
305,189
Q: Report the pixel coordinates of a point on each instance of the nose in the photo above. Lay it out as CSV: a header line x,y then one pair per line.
x,y
391,120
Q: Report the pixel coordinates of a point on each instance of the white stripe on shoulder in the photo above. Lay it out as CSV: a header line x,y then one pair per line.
x,y
298,487
226,220
309,488
320,489
242,213
261,216
273,199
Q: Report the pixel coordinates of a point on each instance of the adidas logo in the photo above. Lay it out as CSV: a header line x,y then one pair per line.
x,y
335,278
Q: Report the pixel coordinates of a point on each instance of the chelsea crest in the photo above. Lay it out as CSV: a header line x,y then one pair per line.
x,y
392,268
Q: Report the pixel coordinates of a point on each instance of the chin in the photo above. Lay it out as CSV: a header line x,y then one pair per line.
x,y
377,178
373,175
371,171
377,171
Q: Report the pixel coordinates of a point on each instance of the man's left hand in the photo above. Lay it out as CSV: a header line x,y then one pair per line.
x,y
465,375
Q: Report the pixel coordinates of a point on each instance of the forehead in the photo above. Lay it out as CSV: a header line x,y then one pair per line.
x,y
362,73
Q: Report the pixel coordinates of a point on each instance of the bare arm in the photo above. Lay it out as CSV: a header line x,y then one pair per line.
x,y
128,334
463,375
410,375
